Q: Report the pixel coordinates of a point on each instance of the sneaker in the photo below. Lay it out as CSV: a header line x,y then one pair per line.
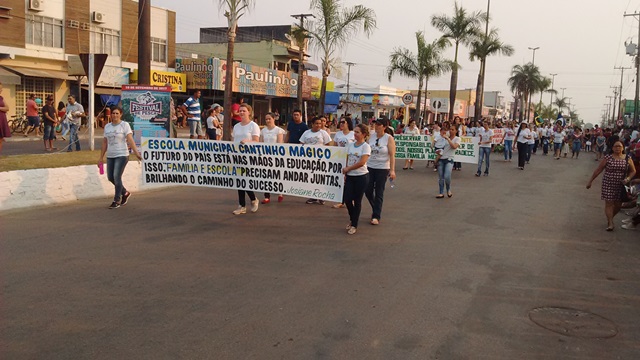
x,y
629,226
280,198
311,201
254,205
478,174
627,221
486,174
114,205
266,201
125,198
240,210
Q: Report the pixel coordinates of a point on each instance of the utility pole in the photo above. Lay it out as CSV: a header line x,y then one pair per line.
x,y
553,80
609,112
615,98
635,101
301,49
349,65
144,42
622,69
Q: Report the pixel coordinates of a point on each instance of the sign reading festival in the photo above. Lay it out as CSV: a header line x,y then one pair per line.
x,y
288,169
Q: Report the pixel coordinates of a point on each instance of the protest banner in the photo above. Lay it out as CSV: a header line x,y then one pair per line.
x,y
419,147
498,135
288,169
146,109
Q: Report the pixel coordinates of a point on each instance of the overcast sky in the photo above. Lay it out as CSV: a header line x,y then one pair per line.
x,y
580,40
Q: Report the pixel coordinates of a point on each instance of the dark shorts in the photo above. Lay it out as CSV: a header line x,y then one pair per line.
x,y
33,120
557,146
49,132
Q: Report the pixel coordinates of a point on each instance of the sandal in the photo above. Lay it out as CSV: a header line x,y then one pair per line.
x,y
352,230
440,196
609,229
349,226
375,221
449,194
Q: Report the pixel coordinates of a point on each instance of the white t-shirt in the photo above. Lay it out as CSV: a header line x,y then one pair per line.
x,y
319,137
485,136
354,154
245,132
271,136
408,131
439,141
116,136
210,122
509,134
448,152
343,140
558,137
379,158
534,136
523,133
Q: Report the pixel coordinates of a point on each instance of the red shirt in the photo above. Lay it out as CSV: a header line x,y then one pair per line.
x,y
32,108
234,109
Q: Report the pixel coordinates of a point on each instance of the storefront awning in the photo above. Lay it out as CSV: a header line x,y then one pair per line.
x,y
311,67
9,78
41,73
331,98
101,90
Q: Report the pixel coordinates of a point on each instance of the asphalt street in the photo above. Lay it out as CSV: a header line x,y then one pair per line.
x,y
516,265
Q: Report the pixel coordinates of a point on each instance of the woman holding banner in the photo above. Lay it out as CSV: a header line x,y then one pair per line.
x,y
356,175
271,134
445,164
381,165
507,140
412,129
343,138
245,131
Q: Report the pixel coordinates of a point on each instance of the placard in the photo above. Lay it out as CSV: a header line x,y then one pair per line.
x,y
419,147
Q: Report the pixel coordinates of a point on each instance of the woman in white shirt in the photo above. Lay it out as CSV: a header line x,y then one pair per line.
x,y
356,175
316,136
412,129
381,165
117,135
522,141
271,134
445,164
212,122
245,131
343,138
509,136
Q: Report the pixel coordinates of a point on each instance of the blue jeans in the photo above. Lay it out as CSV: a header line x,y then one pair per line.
x,y
49,132
529,151
73,136
508,149
444,174
577,145
375,190
484,154
115,169
65,128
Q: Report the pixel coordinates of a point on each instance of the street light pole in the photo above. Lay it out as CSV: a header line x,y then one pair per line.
x,y
301,50
534,54
563,89
553,80
349,65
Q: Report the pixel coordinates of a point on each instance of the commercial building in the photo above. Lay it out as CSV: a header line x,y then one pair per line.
x,y
40,41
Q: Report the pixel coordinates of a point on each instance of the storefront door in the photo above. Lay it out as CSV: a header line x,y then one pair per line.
x,y
260,109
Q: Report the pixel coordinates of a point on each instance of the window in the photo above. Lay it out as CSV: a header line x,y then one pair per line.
x,y
38,86
105,41
158,50
44,31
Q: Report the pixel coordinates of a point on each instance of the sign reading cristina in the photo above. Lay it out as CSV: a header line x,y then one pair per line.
x,y
288,169
419,147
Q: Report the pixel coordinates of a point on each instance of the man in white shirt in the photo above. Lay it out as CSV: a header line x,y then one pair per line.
x,y
486,136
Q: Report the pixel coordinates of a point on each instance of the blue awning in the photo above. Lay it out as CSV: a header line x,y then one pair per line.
x,y
332,98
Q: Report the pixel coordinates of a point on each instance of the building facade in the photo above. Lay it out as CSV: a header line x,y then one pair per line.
x,y
41,39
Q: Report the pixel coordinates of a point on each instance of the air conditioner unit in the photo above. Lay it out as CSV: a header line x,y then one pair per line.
x,y
98,17
36,5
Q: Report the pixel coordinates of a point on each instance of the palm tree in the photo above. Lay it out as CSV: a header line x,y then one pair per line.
x,y
482,47
233,11
423,65
335,26
524,81
461,28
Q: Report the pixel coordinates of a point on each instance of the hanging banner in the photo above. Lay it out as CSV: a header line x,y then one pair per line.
x,y
419,147
146,109
288,169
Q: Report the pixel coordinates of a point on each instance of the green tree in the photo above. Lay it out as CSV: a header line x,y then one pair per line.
x,y
524,81
333,29
233,11
421,66
461,28
483,46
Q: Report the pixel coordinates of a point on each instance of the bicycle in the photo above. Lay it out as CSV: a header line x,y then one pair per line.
x,y
18,123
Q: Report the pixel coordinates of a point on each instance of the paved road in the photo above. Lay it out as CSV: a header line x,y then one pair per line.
x,y
174,275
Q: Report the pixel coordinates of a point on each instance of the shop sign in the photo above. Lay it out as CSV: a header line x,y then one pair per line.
x,y
177,81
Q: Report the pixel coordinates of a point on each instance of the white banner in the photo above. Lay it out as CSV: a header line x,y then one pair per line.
x,y
289,169
419,147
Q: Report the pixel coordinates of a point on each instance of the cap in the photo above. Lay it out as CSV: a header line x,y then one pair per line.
x,y
382,121
215,106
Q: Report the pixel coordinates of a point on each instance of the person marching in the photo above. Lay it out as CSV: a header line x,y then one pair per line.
x,y
316,136
486,136
507,140
445,164
117,135
381,165
522,142
412,129
245,131
343,138
271,134
356,175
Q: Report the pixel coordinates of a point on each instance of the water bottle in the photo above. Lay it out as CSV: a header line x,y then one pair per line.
x,y
101,168
392,183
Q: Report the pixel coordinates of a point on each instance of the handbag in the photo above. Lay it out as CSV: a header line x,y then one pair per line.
x,y
624,193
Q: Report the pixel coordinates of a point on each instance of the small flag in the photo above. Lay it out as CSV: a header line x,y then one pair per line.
x,y
560,118
538,119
